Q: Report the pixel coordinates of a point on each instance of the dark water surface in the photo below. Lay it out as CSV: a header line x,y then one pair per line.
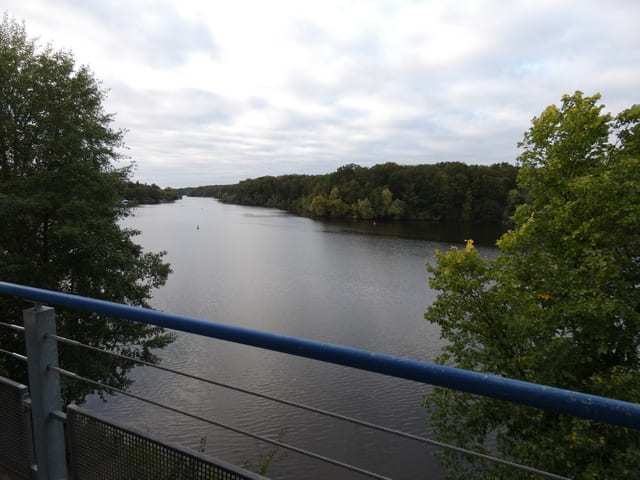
x,y
341,282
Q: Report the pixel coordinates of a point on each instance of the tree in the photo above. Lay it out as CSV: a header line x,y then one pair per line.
x,y
60,230
318,207
558,306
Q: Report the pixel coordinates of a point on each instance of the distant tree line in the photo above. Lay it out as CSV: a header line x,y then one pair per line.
x,y
142,193
451,191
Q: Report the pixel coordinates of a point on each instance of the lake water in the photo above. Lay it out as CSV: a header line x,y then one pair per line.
x,y
352,284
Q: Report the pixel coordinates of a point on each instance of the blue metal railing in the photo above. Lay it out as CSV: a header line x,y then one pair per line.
x,y
615,412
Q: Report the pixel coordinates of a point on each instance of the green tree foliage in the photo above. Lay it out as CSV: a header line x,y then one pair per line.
x,y
59,222
558,306
141,193
446,191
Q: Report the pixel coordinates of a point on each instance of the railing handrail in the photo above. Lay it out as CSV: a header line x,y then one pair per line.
x,y
583,405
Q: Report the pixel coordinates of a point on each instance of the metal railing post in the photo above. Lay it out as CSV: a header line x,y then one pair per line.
x,y
44,390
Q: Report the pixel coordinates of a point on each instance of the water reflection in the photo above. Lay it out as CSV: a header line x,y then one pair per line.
x,y
451,233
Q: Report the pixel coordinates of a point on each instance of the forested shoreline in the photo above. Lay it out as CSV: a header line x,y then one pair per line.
x,y
451,191
144,194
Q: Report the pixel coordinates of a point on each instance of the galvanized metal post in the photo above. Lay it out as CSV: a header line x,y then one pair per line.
x,y
44,390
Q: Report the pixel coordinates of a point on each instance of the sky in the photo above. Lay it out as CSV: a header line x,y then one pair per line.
x,y
214,92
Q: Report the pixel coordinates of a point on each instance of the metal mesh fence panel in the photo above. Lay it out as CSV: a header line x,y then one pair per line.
x,y
101,448
14,428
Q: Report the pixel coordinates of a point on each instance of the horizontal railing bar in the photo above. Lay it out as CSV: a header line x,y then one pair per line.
x,y
593,407
13,354
20,328
320,411
276,443
302,406
58,415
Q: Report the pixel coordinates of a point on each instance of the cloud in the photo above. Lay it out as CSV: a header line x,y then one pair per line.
x,y
215,92
153,33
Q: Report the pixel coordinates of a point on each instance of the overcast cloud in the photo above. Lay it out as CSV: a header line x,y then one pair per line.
x,y
214,92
